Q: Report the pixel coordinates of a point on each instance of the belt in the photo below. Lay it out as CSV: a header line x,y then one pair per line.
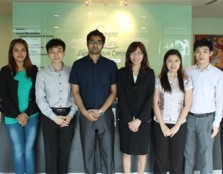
x,y
201,115
61,111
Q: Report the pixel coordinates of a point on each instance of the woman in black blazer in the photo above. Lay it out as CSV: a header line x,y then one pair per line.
x,y
135,97
17,91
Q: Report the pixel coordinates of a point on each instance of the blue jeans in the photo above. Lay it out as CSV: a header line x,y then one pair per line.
x,y
23,141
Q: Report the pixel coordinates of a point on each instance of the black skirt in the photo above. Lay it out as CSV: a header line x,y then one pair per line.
x,y
135,143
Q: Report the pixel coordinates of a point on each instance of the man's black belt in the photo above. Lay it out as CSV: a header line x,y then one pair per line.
x,y
202,115
61,111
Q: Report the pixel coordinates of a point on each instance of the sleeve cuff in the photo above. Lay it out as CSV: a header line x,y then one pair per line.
x,y
52,116
216,123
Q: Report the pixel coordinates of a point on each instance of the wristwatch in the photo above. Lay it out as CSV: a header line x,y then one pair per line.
x,y
101,112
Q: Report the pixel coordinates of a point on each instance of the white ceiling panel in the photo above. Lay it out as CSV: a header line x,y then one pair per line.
x,y
199,7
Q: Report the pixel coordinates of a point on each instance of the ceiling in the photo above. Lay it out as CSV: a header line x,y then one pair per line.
x,y
199,7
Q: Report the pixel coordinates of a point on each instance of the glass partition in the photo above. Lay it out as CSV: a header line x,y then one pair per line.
x,y
159,27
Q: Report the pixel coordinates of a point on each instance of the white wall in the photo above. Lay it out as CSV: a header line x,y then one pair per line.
x,y
207,26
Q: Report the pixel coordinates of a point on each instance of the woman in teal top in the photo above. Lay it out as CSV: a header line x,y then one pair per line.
x,y
19,107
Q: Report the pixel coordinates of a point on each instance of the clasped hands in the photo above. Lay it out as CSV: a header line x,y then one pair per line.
x,y
22,119
170,132
63,121
134,124
92,114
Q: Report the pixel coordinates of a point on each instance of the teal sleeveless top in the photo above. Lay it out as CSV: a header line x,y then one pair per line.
x,y
24,86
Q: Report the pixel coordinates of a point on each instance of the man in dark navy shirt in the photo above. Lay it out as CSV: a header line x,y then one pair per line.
x,y
93,80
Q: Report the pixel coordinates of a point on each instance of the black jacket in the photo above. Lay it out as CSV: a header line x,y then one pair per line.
x,y
9,94
135,99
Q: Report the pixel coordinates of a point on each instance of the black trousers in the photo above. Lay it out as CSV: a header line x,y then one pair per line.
x,y
57,143
169,151
103,131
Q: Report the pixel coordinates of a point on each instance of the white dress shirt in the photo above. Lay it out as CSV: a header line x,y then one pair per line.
x,y
207,92
54,90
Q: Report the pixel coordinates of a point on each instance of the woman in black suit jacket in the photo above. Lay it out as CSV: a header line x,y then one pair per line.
x,y
135,97
17,91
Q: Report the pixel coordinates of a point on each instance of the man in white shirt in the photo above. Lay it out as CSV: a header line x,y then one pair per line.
x,y
206,112
55,100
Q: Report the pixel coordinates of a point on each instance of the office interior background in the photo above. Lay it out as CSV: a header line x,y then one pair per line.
x,y
159,24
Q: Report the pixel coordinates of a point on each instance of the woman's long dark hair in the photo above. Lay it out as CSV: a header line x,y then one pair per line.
x,y
180,73
11,61
133,47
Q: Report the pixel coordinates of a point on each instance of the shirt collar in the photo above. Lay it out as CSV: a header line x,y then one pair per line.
x,y
99,60
169,78
51,67
209,67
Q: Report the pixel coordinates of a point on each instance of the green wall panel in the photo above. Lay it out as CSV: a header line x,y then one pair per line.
x,y
159,27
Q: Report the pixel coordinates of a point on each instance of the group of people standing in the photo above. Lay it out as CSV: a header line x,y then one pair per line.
x,y
187,107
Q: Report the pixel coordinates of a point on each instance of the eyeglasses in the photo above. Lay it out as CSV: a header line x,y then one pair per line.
x,y
93,42
136,54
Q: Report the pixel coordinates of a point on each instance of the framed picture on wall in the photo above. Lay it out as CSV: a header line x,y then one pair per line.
x,y
217,58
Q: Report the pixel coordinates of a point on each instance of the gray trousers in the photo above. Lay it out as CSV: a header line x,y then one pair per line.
x,y
103,131
199,131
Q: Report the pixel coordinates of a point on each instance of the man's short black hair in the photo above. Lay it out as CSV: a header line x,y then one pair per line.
x,y
96,33
54,43
203,42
